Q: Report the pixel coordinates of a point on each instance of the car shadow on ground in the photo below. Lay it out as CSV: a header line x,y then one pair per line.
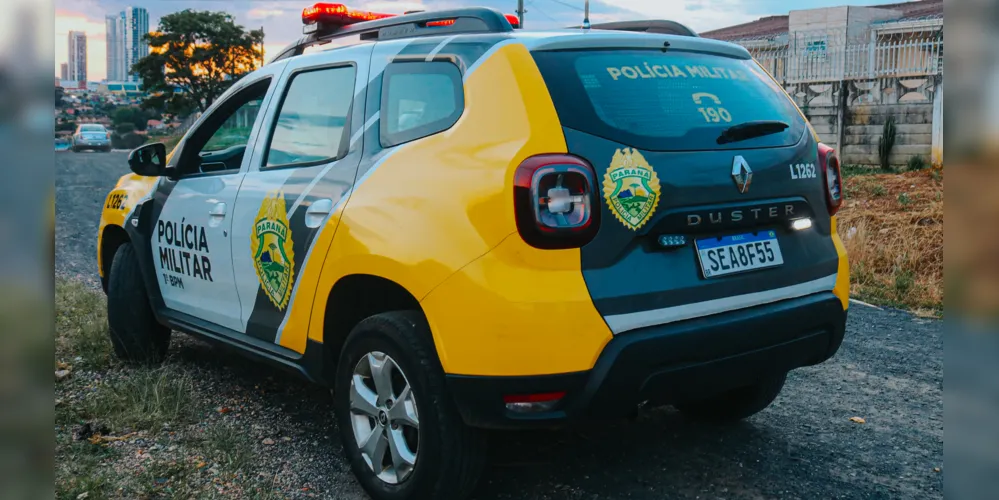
x,y
657,454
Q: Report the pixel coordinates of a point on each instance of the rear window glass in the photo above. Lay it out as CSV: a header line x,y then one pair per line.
x,y
665,101
91,128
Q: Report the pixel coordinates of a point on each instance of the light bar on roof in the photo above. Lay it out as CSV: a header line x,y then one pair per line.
x,y
338,14
335,15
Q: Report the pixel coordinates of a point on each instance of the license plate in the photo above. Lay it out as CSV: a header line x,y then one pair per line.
x,y
738,253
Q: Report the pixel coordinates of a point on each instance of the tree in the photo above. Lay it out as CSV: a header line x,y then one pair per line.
x,y
200,53
59,92
124,128
138,118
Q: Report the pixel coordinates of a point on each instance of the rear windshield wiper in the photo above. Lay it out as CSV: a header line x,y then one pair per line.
x,y
749,130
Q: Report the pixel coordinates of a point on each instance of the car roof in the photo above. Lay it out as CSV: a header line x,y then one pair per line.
x,y
568,39
574,39
472,21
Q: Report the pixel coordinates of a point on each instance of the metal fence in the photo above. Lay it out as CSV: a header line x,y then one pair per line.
x,y
856,53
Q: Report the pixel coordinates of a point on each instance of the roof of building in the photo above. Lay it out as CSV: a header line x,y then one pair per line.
x,y
775,25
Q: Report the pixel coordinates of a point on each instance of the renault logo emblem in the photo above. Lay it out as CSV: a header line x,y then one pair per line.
x,y
741,174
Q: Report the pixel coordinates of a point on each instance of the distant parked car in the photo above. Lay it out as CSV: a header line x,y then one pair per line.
x,y
91,136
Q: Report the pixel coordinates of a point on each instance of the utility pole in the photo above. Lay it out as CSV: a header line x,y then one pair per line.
x,y
586,15
520,12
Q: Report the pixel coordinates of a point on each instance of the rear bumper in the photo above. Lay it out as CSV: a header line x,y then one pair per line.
x,y
668,363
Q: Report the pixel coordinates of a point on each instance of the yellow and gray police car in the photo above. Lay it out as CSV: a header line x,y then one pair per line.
x,y
458,225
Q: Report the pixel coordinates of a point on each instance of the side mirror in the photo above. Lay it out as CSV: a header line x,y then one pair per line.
x,y
148,160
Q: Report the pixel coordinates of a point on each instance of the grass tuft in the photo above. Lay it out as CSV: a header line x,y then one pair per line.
x,y
145,399
81,325
230,446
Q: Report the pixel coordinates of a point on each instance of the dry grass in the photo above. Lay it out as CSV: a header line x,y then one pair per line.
x,y
892,227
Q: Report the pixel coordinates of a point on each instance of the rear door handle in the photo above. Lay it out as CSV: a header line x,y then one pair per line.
x,y
317,212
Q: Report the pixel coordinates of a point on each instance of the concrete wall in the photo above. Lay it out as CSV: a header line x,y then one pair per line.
x,y
865,125
855,129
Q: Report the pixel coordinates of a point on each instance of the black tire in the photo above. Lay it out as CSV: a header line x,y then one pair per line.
x,y
451,456
736,404
135,334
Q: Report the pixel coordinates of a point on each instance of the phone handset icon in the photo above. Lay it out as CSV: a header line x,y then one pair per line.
x,y
699,95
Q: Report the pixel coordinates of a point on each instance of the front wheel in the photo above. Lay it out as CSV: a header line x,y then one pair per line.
x,y
135,333
401,432
736,404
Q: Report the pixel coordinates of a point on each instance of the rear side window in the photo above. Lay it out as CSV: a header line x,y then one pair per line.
x,y
312,122
665,101
419,99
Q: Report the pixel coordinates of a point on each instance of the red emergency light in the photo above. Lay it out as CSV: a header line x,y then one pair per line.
x,y
512,19
338,14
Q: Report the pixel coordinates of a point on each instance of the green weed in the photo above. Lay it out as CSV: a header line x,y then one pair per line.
x,y
145,399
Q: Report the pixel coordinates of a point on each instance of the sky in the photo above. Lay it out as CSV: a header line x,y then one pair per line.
x,y
281,19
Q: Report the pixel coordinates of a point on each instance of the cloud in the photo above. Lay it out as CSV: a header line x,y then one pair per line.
x,y
696,14
264,13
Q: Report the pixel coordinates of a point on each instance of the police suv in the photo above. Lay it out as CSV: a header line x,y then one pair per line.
x,y
457,225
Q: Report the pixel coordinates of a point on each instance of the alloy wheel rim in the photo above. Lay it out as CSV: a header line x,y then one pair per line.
x,y
384,417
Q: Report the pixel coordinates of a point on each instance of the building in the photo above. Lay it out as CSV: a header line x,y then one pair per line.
x,y
72,85
846,42
120,89
77,64
64,71
115,37
126,32
135,26
851,69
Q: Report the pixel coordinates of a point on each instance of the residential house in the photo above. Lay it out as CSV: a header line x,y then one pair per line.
x,y
851,69
846,42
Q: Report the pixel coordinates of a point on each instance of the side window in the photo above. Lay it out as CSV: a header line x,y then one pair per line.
x,y
219,143
235,130
419,99
311,125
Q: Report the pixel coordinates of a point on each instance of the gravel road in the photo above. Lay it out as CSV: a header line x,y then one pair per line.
x,y
889,372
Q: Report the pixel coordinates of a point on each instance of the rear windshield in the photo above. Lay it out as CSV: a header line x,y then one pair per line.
x,y
665,101
91,128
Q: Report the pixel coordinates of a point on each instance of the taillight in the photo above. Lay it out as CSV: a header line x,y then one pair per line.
x,y
555,201
832,177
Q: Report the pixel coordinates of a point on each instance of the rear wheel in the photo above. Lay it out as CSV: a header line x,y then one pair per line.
x,y
135,333
736,404
400,430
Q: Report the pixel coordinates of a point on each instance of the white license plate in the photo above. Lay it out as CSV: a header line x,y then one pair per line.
x,y
738,253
